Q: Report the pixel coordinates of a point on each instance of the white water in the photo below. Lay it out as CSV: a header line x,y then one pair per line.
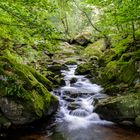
x,y
82,94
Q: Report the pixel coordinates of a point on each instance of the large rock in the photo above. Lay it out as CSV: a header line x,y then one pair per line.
x,y
24,97
86,68
118,77
120,109
83,38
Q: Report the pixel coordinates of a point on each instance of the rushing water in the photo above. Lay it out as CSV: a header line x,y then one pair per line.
x,y
75,119
76,104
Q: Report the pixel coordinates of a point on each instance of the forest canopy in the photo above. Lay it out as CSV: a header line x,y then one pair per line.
x,y
30,21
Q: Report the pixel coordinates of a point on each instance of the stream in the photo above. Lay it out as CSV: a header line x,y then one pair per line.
x,y
75,119
76,106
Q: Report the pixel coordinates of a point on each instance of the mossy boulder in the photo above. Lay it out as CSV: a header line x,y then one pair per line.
x,y
85,68
73,80
117,76
55,68
94,51
71,62
121,108
24,97
83,38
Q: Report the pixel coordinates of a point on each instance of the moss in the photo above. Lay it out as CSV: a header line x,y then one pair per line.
x,y
121,45
128,72
71,62
93,50
121,108
83,39
38,103
84,68
130,56
41,79
116,72
20,82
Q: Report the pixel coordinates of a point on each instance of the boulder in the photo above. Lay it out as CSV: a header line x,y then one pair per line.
x,y
73,80
86,68
120,109
24,97
71,62
83,38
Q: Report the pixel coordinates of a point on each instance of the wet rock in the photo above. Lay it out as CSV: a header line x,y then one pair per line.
x,y
73,80
70,94
57,92
64,67
71,62
121,108
75,95
95,101
73,106
67,98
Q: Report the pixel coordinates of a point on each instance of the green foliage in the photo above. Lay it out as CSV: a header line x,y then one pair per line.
x,y
27,22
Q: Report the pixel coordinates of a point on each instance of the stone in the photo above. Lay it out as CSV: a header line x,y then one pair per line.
x,y
73,80
73,106
71,62
24,97
83,38
121,108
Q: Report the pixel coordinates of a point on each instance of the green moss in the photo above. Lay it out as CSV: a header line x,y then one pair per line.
x,y
121,45
130,56
121,108
84,68
94,50
71,62
128,72
38,103
19,81
41,78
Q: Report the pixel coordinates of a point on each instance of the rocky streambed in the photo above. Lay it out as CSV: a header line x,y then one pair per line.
x,y
84,111
76,118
